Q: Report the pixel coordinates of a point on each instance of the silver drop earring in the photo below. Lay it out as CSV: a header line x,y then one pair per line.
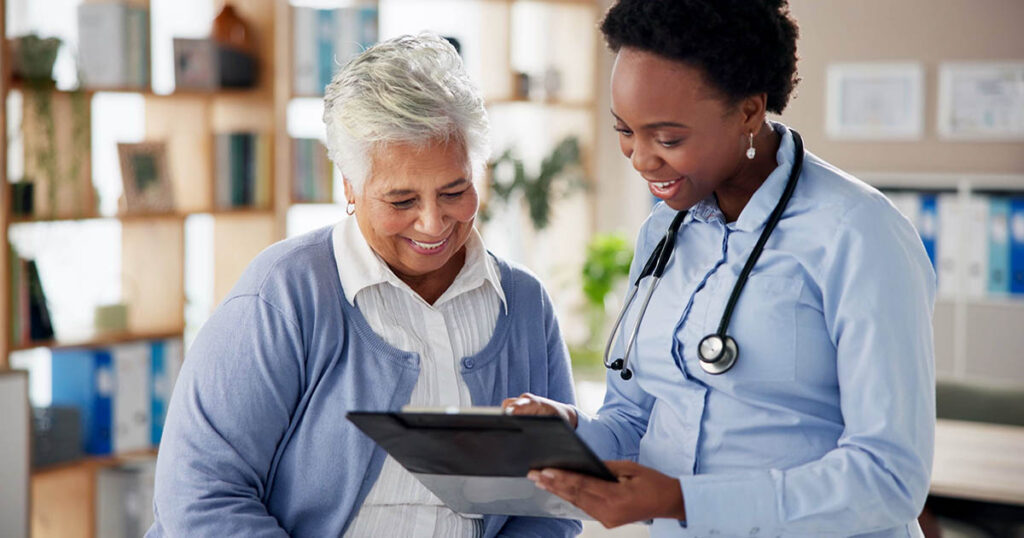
x,y
751,151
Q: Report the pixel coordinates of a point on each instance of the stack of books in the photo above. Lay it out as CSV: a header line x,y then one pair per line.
x,y
30,316
326,39
312,173
113,45
243,170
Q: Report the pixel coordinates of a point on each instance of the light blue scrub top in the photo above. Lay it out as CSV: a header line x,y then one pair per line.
x,y
825,424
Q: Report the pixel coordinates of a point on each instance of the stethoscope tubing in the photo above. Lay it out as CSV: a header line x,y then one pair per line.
x,y
659,258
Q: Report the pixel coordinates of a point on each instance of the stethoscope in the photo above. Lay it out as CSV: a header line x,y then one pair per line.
x,y
717,352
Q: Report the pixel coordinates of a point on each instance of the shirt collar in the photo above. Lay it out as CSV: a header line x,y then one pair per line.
x,y
767,196
359,267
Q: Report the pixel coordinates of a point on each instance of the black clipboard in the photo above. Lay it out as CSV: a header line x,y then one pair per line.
x,y
495,445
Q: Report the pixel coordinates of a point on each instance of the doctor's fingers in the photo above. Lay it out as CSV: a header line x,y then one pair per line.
x,y
573,487
527,404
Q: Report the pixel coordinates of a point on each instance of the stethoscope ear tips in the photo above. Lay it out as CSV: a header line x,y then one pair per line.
x,y
626,374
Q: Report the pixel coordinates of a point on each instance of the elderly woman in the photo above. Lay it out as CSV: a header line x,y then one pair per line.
x,y
400,305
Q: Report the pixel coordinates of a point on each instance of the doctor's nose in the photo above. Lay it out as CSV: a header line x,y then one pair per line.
x,y
643,160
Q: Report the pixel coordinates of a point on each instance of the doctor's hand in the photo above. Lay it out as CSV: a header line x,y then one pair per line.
x,y
640,494
531,404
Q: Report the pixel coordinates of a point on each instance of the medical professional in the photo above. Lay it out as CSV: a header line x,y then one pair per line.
x,y
780,389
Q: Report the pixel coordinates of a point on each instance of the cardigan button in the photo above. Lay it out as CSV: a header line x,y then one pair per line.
x,y
468,363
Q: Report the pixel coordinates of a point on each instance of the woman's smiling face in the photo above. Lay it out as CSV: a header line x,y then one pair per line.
x,y
417,208
677,131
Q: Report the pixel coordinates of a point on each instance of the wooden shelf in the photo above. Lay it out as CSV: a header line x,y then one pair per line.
x,y
99,340
148,92
171,215
93,462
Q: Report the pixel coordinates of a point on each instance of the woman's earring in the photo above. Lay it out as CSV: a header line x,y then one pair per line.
x,y
751,151
350,208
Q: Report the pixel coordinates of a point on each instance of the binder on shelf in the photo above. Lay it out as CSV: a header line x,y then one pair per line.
x,y
928,227
324,40
975,255
998,245
85,379
305,74
1017,245
242,170
948,252
165,364
132,429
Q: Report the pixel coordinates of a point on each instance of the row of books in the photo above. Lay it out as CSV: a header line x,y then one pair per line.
x,y
976,243
30,315
312,172
113,45
243,170
121,392
325,39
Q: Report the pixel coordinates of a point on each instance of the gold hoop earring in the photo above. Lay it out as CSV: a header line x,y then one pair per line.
x,y
751,151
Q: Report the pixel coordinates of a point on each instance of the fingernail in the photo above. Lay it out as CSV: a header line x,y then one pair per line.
x,y
548,473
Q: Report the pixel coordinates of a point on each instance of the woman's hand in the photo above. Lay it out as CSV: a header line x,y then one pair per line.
x,y
531,404
640,494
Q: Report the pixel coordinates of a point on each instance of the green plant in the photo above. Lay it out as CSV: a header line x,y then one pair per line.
x,y
607,261
541,190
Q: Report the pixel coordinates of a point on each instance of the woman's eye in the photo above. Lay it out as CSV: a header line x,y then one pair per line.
x,y
454,195
669,143
623,131
403,204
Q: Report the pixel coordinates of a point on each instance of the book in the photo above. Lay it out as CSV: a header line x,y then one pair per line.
x,y
998,245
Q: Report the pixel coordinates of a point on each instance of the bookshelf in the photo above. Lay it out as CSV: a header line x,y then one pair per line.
x,y
155,246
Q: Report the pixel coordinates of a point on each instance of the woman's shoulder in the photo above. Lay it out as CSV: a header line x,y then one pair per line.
x,y
287,264
836,195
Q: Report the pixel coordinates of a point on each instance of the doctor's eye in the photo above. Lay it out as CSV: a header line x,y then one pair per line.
x,y
623,131
670,143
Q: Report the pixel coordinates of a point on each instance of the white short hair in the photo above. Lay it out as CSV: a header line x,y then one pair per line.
x,y
410,90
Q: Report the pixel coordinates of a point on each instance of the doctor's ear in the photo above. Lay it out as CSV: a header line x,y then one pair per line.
x,y
753,110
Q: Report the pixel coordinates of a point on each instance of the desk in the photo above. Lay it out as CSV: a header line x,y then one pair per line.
x,y
978,461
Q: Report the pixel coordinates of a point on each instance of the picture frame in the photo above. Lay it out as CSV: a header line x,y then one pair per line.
x,y
981,101
147,182
875,101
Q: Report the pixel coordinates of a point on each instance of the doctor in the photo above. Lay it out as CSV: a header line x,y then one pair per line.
x,y
777,389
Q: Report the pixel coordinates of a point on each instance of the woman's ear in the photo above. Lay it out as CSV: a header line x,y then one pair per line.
x,y
350,193
753,110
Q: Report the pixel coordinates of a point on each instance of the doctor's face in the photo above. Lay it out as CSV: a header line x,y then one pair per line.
x,y
417,208
683,137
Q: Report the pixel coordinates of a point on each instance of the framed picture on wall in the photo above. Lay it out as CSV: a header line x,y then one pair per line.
x,y
875,101
981,101
147,185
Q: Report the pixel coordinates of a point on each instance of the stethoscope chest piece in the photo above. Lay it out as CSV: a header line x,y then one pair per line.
x,y
717,354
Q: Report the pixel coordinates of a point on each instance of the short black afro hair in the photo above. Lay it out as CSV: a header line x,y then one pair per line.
x,y
744,47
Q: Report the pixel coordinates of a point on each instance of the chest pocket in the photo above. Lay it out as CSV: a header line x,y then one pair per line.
x,y
764,325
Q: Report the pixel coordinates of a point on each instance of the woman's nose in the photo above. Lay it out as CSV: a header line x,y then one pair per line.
x,y
431,220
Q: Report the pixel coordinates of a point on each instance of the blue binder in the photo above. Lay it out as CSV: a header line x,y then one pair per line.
x,y
1016,224
929,224
998,245
85,379
157,390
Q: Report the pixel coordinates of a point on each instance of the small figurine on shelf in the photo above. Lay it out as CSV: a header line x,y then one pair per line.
x,y
227,59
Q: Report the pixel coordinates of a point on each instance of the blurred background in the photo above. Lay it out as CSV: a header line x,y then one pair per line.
x,y
152,148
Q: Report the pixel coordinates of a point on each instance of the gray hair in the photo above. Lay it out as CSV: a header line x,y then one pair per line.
x,y
410,89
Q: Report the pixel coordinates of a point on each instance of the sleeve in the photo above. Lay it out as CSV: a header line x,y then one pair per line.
x,y
230,408
878,293
615,432
560,388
